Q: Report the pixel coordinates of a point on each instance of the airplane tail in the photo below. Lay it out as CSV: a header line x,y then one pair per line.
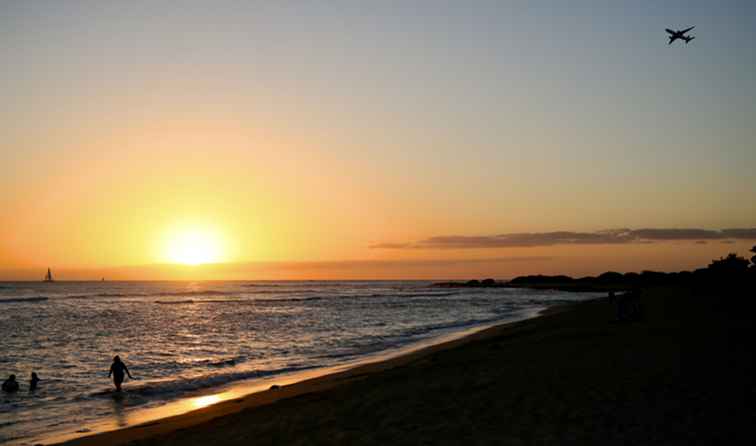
x,y
688,39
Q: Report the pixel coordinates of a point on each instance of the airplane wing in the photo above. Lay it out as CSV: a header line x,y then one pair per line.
x,y
670,31
686,30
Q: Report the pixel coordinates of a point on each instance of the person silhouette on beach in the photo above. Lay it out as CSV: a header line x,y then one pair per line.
x,y
10,384
33,382
117,369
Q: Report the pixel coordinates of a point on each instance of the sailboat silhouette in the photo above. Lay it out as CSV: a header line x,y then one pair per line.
x,y
48,276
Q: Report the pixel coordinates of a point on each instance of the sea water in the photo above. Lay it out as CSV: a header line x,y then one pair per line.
x,y
183,339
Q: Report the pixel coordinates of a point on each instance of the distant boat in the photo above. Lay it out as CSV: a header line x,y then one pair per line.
x,y
48,276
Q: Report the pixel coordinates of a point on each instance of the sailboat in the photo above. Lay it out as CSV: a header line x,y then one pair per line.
x,y
48,276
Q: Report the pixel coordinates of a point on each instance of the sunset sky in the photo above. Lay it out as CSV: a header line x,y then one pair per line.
x,y
310,140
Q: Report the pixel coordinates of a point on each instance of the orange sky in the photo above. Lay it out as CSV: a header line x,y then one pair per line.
x,y
289,150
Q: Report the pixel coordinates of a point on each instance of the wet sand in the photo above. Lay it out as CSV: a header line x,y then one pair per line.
x,y
683,375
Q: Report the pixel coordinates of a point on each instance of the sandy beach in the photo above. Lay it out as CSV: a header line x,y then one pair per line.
x,y
683,375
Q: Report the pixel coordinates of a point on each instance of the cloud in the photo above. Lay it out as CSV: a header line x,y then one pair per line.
x,y
604,237
691,234
742,234
391,246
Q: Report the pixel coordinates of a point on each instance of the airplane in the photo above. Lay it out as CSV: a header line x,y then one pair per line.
x,y
674,35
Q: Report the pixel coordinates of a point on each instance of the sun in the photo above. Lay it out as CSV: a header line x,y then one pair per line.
x,y
193,247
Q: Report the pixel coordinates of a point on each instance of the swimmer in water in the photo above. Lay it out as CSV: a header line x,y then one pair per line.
x,y
33,382
117,369
10,384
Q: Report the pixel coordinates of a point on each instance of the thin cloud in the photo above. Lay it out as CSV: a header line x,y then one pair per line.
x,y
604,237
742,234
391,246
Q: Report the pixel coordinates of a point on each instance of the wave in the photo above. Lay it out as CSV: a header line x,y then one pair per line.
x,y
166,389
364,347
209,301
430,294
291,299
359,296
159,294
463,324
89,296
299,291
15,300
304,299
220,363
235,301
193,293
204,293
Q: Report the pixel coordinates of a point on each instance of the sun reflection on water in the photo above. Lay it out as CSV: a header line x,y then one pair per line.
x,y
204,401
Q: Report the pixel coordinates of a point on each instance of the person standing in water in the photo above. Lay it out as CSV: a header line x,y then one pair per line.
x,y
33,382
117,369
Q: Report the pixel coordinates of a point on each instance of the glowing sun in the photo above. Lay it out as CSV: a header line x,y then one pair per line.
x,y
193,247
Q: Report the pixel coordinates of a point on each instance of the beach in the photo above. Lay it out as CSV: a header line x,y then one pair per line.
x,y
682,375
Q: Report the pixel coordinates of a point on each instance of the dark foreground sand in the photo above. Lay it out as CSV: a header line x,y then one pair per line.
x,y
684,375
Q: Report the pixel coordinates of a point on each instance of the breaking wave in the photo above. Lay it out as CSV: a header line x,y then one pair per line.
x,y
15,300
166,389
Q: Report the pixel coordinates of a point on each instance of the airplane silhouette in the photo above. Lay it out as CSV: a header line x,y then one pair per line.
x,y
674,35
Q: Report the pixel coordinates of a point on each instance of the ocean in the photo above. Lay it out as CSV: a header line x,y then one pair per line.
x,y
186,339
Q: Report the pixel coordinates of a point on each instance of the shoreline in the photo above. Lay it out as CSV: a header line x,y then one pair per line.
x,y
572,375
233,398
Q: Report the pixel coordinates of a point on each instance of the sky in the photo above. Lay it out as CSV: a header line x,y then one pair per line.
x,y
373,139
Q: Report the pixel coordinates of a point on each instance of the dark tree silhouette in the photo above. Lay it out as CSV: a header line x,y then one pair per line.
x,y
732,264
